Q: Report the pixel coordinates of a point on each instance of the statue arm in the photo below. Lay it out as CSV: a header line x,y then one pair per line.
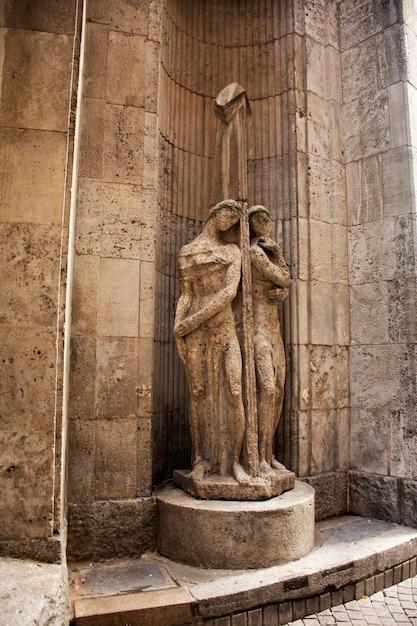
x,y
184,302
183,307
219,301
278,274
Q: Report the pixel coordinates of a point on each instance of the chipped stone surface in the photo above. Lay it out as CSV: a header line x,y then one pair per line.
x,y
380,200
327,190
111,220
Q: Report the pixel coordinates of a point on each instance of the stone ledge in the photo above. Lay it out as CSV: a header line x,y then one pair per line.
x,y
353,556
153,608
335,564
284,612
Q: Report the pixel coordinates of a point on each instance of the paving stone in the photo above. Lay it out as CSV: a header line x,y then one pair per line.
x,y
326,620
341,617
394,606
372,620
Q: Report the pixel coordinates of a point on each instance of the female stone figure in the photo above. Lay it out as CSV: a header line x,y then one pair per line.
x,y
270,282
205,334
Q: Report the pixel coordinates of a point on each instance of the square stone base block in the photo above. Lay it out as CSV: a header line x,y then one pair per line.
x,y
216,487
234,534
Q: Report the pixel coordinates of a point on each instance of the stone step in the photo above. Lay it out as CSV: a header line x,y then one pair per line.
x,y
151,608
352,557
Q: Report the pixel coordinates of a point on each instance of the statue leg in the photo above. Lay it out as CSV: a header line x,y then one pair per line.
x,y
197,386
265,378
236,412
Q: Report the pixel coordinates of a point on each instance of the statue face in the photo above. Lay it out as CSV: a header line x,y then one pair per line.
x,y
260,223
226,217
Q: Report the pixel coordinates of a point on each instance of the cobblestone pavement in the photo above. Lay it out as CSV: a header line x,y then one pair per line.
x,y
393,606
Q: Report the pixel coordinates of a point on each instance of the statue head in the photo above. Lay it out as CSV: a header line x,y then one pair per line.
x,y
260,220
225,213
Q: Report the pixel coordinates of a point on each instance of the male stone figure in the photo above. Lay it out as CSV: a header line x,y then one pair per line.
x,y
207,343
270,282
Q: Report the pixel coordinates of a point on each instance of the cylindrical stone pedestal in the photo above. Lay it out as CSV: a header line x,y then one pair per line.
x,y
233,534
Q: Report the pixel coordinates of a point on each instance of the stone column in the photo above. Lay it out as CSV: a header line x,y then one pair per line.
x,y
38,62
316,227
379,42
110,472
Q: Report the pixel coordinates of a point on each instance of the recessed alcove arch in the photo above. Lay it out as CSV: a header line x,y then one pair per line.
x,y
205,46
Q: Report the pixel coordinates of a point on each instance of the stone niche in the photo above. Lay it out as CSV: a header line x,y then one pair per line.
x,y
261,45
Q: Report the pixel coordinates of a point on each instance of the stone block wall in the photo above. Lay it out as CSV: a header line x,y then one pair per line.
x,y
320,295
378,41
110,508
38,48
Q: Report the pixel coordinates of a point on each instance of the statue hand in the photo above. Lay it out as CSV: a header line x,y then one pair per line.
x,y
181,348
277,294
268,244
180,329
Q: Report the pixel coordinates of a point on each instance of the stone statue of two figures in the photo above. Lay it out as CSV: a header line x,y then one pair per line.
x,y
208,337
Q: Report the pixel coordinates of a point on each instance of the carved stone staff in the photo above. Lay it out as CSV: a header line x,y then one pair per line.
x,y
230,181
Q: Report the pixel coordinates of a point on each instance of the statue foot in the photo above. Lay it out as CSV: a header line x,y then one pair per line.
x,y
277,465
199,470
240,475
265,469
